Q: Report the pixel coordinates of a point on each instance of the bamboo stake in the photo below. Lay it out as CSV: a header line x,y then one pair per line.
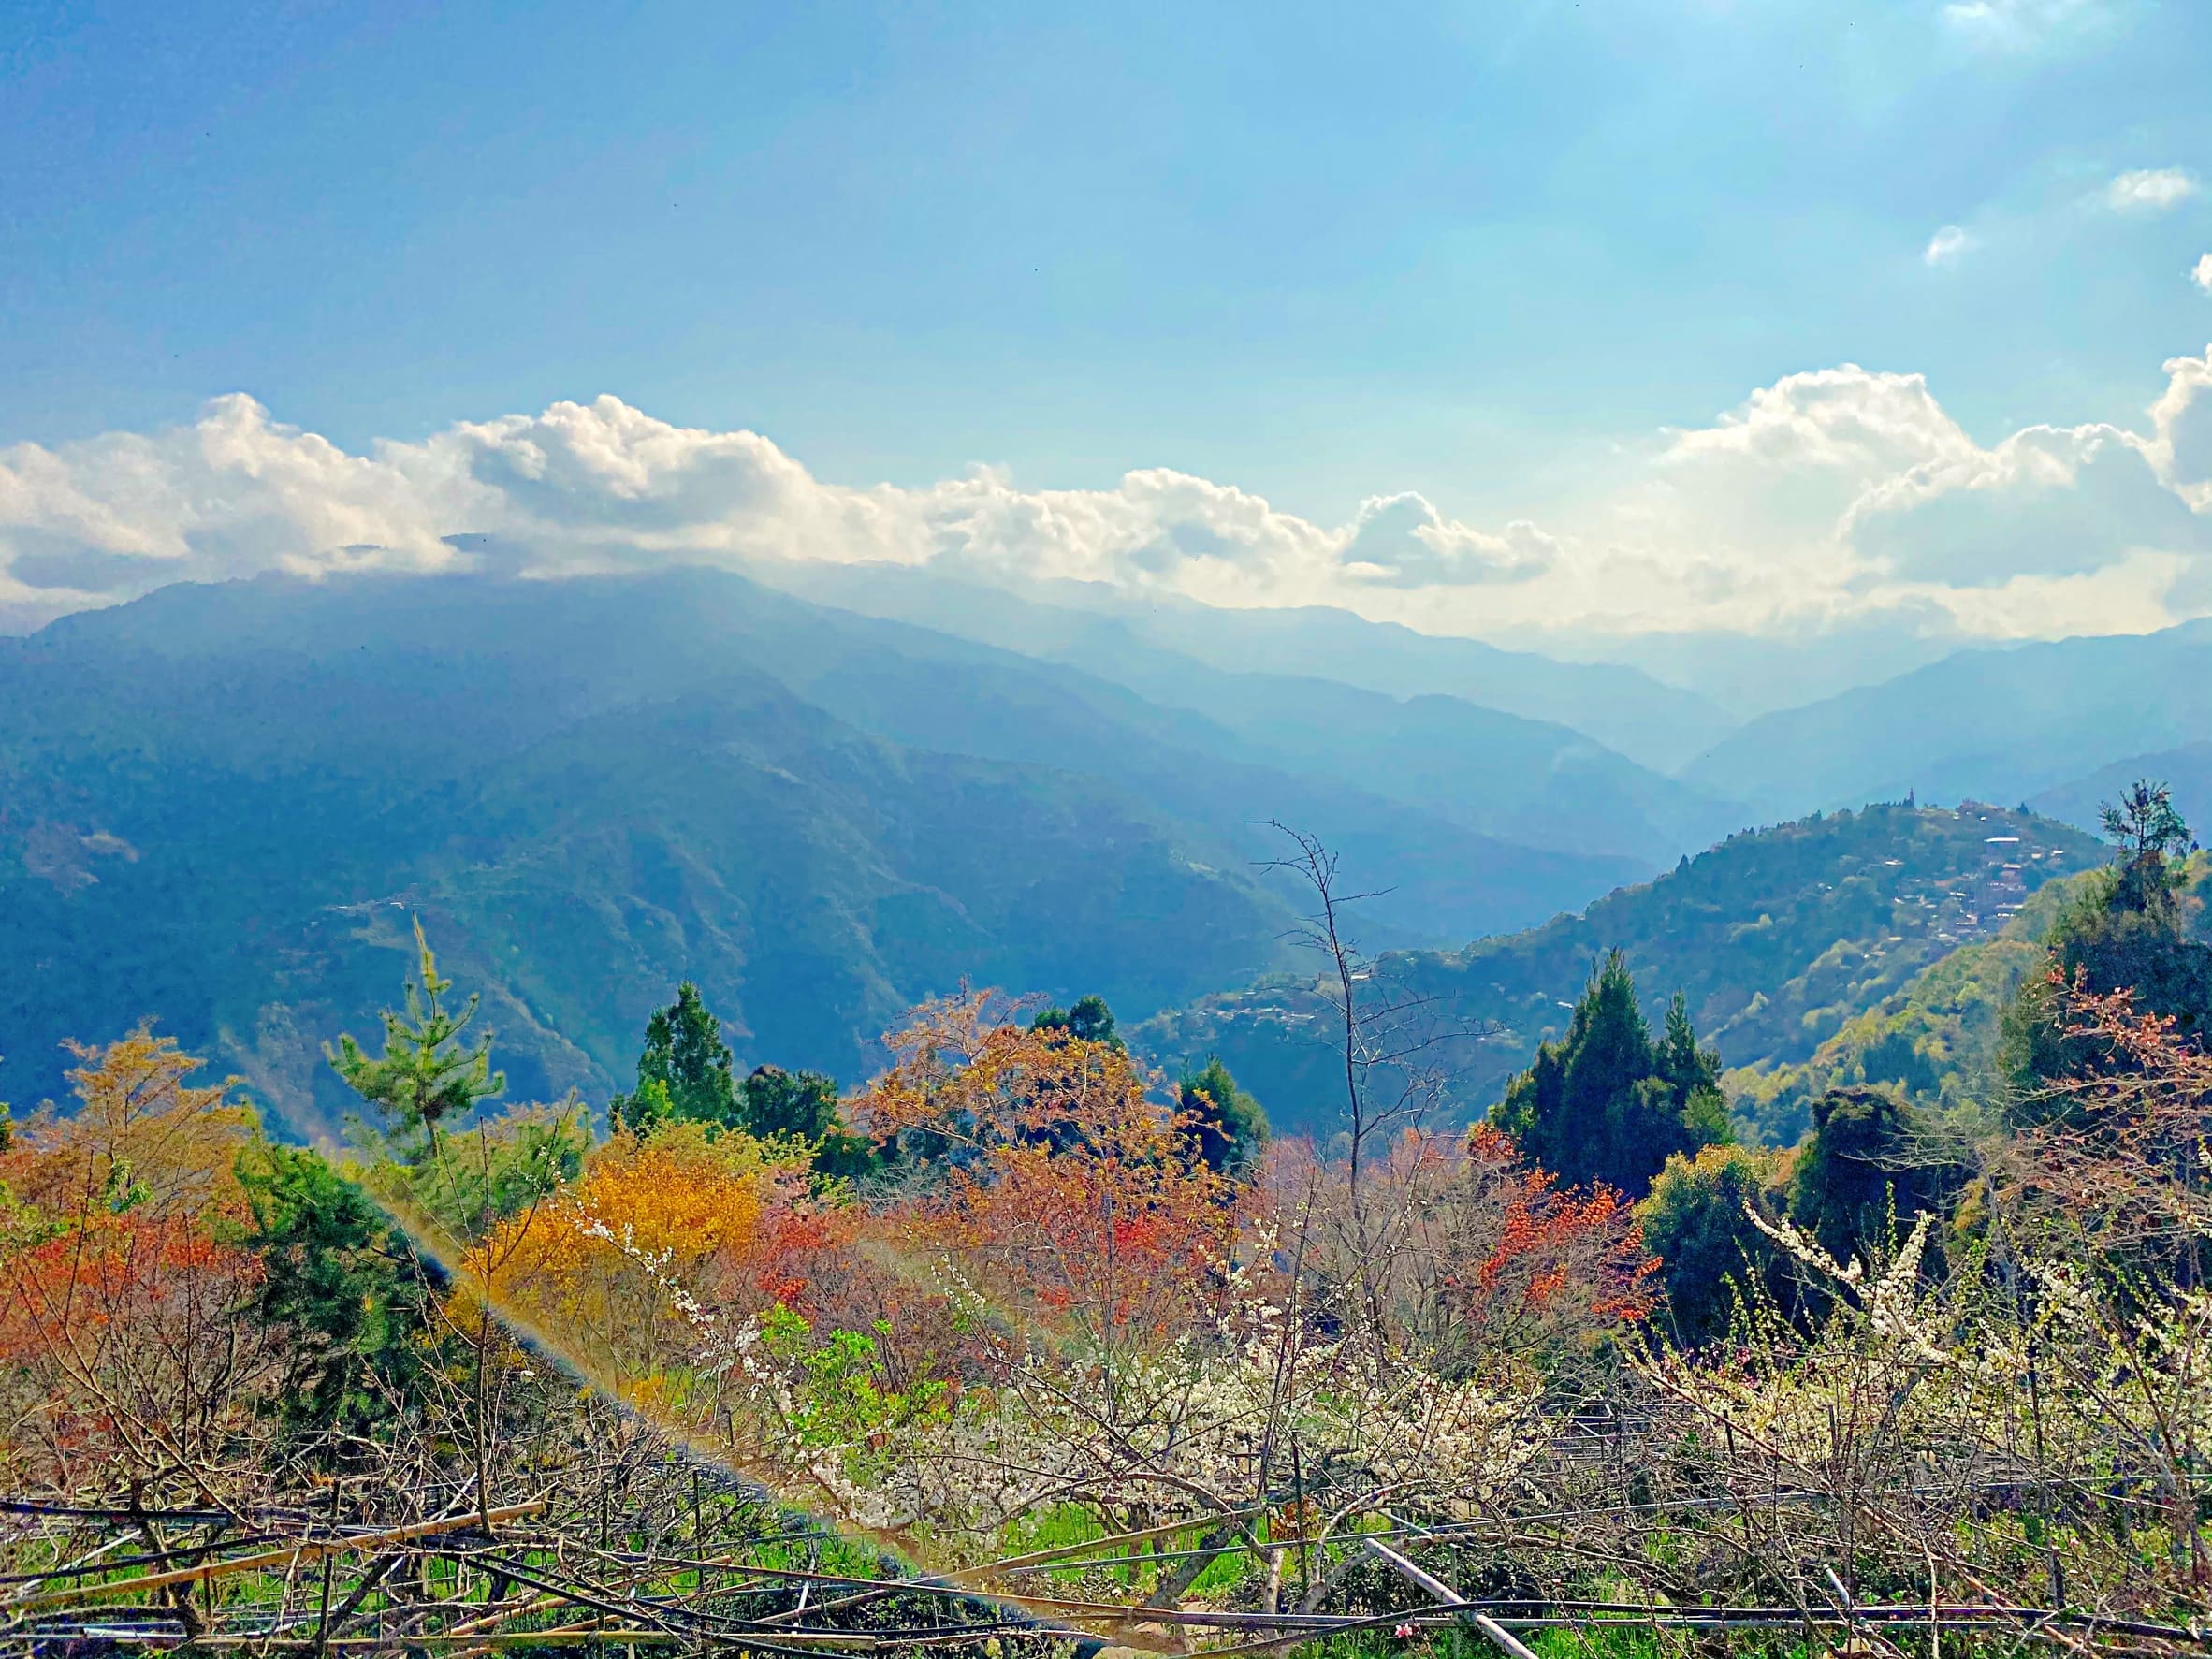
x,y
302,1551
1499,1636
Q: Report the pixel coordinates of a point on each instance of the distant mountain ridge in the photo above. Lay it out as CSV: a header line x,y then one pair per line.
x,y
1626,710
1496,774
2187,770
1995,724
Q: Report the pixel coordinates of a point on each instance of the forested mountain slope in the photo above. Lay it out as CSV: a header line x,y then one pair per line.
x,y
221,802
1934,1038
1776,937
1997,725
586,646
1937,1039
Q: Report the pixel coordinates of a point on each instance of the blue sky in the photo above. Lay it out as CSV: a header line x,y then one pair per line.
x,y
1481,252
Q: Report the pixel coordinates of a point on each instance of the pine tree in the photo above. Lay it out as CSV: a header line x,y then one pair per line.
x,y
685,1073
1604,1103
1693,1077
426,1074
338,1277
2143,824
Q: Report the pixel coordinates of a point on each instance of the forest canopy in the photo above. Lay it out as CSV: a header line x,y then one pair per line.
x,y
1019,1291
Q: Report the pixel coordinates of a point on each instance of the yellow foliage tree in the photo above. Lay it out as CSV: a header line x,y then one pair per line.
x,y
126,1357
141,1138
681,1210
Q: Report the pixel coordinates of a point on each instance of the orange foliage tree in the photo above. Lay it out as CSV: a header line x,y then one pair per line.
x,y
1553,1261
141,1137
1061,1188
122,1308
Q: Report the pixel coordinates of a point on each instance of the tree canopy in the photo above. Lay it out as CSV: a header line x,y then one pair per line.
x,y
1871,1164
1090,1020
2128,930
1696,1221
773,1101
1606,1102
685,1073
342,1279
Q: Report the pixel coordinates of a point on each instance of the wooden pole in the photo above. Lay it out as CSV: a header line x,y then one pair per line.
x,y
1500,1638
297,1553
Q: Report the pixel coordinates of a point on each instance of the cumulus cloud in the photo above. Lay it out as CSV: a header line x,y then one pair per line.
x,y
1845,421
2151,190
234,491
1404,542
1830,498
1846,493
2046,502
2181,431
1760,492
1946,247
2200,273
590,486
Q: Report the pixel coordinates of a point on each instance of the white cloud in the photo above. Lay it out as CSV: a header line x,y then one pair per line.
x,y
2200,273
2046,502
1400,541
1947,246
1847,494
1844,419
231,493
2181,431
1835,498
2151,190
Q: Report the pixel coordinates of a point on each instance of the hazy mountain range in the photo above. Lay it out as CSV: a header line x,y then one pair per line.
x,y
220,805
221,802
1990,724
1151,643
1998,724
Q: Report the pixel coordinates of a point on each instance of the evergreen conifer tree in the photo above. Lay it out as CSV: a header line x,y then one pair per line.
x,y
1604,1103
426,1074
342,1282
685,1071
2127,930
